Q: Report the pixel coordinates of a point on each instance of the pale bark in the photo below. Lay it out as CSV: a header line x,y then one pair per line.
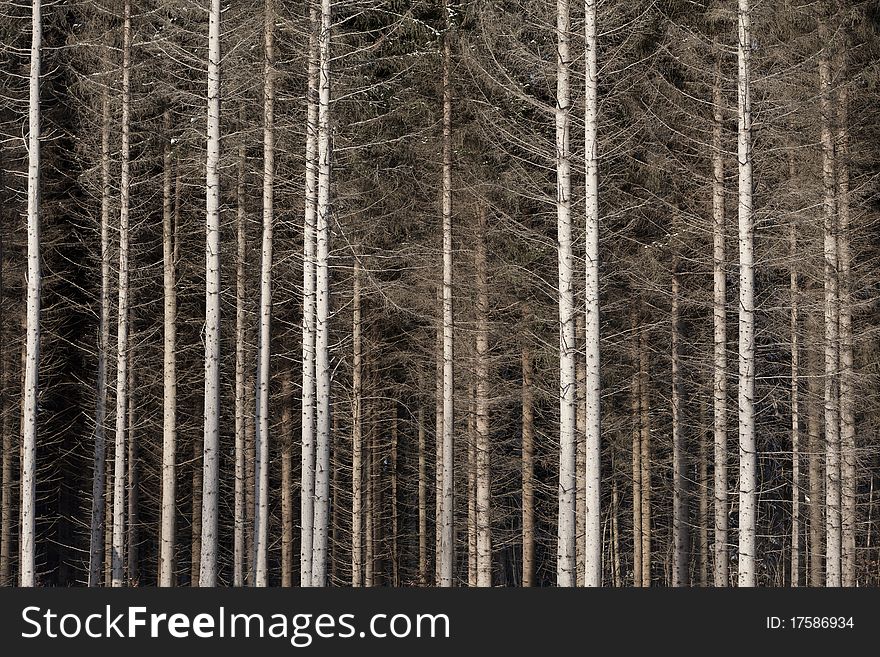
x,y
96,537
528,469
27,570
287,476
566,567
471,487
239,551
679,494
814,430
357,434
322,312
747,447
168,521
6,471
483,472
132,524
438,441
211,446
395,519
122,325
196,525
645,456
721,570
616,569
581,454
423,497
636,421
848,473
703,504
795,408
832,418
261,437
593,389
307,484
447,526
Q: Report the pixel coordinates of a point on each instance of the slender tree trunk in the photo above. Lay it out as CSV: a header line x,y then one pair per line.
x,y
132,532
483,467
617,572
795,409
438,442
249,474
395,520
261,437
167,528
472,487
747,447
721,571
287,476
645,457
322,310
423,496
848,474
447,524
122,324
6,472
703,508
593,436
528,469
566,567
196,527
636,417
307,487
108,520
581,454
210,492
96,539
832,418
680,520
814,424
370,491
239,530
357,466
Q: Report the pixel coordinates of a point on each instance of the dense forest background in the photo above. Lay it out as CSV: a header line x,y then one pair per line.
x,y
123,139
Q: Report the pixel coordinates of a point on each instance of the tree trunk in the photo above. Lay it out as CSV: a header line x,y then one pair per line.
x,y
96,538
322,306
483,467
395,521
196,526
210,490
645,457
287,476
680,520
814,424
832,419
438,442
357,466
307,484
447,524
848,473
118,565
6,473
721,570
636,420
239,549
261,437
566,567
528,469
167,528
747,446
795,408
593,436
472,486
581,454
423,496
133,481
703,509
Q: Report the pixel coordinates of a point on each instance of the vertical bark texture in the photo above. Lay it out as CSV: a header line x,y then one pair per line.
x,y
747,446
